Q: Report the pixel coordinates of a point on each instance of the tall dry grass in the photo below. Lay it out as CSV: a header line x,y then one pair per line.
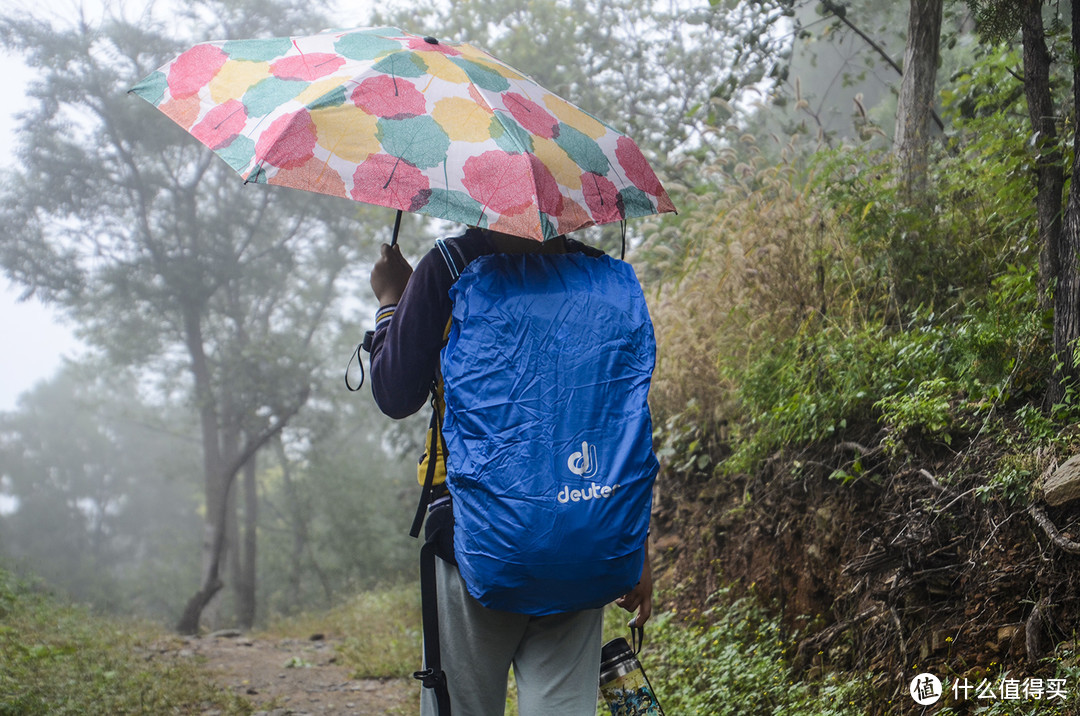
x,y
758,258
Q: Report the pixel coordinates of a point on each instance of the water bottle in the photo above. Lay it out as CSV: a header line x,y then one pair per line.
x,y
623,684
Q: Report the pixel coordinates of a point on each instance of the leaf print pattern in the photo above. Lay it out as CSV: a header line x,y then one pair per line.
x,y
394,119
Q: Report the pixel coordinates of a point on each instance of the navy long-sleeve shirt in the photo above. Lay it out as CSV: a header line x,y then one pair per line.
x,y
409,334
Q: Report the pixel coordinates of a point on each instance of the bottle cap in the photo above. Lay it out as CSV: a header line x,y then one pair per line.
x,y
615,650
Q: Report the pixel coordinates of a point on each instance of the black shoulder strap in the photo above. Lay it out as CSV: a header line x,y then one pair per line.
x,y
429,478
432,676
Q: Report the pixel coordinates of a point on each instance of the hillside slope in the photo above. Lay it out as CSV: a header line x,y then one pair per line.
x,y
897,572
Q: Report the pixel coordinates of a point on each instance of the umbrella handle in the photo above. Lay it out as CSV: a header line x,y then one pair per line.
x,y
397,225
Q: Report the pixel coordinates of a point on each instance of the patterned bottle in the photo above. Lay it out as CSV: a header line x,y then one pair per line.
x,y
623,684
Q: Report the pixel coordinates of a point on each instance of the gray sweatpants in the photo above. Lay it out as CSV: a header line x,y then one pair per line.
x,y
556,658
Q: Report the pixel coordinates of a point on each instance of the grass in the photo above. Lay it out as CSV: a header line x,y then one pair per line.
x,y
732,659
379,631
60,659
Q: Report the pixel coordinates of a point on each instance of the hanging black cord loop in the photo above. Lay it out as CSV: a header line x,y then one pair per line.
x,y
365,345
355,357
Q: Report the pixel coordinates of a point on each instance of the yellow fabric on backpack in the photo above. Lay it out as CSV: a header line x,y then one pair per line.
x,y
440,458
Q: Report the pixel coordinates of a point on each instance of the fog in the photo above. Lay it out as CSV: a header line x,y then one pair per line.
x,y
215,320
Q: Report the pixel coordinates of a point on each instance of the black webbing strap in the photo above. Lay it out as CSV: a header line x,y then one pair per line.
x,y
432,676
637,636
429,478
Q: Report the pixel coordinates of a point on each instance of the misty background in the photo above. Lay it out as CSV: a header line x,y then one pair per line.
x,y
182,348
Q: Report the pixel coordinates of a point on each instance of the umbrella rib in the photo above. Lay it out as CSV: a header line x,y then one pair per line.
x,y
392,170
597,185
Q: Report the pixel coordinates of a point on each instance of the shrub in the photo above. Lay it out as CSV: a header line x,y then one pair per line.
x,y
732,660
813,298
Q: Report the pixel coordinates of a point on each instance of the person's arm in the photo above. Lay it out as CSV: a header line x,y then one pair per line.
x,y
639,598
413,310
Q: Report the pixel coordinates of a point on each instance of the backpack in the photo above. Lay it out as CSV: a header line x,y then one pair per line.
x,y
547,429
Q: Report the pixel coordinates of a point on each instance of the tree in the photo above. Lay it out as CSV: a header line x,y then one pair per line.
x,y
102,488
1067,292
645,68
162,256
917,92
1059,228
337,512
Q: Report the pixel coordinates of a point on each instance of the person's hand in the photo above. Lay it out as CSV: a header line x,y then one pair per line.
x,y
390,275
640,597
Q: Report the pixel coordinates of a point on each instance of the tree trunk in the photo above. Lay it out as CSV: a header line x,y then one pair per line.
x,y
245,606
231,526
297,518
189,622
1067,291
1049,169
917,92
213,472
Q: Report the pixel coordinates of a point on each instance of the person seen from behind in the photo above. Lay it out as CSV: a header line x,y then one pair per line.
x,y
556,657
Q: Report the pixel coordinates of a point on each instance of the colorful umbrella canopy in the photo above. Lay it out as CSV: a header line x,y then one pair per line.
x,y
407,122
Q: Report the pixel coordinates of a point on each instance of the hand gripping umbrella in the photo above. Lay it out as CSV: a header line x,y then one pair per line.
x,y
407,122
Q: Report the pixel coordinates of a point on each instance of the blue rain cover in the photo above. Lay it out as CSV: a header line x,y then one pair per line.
x,y
547,426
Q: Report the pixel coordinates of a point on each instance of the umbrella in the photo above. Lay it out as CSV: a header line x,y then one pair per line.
x,y
385,117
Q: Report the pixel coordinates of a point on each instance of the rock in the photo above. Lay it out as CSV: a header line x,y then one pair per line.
x,y
226,634
1007,632
1063,485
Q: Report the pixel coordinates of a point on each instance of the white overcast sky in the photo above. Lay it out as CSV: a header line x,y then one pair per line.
x,y
34,339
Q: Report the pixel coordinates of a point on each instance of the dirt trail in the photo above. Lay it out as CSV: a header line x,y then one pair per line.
x,y
293,677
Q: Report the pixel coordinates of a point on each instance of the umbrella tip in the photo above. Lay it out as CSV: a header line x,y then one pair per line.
x,y
431,40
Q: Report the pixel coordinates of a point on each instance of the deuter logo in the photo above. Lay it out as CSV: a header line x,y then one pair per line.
x,y
583,463
595,492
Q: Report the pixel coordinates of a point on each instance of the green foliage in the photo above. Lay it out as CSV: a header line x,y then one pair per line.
x,y
60,660
733,660
935,376
683,441
335,517
103,504
816,298
997,20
